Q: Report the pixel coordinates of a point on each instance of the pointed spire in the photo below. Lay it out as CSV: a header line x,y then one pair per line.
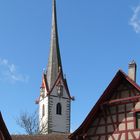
x,y
54,62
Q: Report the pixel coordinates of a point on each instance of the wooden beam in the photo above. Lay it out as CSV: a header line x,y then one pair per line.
x,y
133,135
111,118
122,100
119,138
97,125
105,119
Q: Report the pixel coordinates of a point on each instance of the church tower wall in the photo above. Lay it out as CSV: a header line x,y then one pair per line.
x,y
59,122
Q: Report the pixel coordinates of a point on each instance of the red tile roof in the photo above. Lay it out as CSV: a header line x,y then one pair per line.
x,y
41,137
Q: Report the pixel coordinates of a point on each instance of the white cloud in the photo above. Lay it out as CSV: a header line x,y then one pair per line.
x,y
135,19
9,72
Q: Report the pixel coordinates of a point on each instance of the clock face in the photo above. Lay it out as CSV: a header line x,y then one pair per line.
x,y
60,90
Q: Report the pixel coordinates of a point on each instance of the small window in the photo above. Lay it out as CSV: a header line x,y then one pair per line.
x,y
137,120
58,109
43,110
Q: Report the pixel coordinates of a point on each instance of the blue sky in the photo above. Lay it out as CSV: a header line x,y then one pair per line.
x,y
96,39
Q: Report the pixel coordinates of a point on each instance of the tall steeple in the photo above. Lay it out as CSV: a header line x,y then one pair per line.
x,y
55,99
54,62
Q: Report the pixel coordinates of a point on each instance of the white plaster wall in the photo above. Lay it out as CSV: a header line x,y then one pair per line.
x,y
137,134
137,106
43,120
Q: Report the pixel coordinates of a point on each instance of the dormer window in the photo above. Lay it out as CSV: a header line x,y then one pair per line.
x,y
60,90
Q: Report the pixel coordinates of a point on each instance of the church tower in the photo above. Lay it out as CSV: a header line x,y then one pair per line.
x,y
55,100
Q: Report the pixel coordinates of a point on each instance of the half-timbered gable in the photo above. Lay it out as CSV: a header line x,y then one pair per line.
x,y
116,115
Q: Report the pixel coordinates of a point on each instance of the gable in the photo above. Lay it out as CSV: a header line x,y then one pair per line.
x,y
115,118
60,80
121,90
125,93
60,85
124,90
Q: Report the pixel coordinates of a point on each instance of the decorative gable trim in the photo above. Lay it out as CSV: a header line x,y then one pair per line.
x,y
59,80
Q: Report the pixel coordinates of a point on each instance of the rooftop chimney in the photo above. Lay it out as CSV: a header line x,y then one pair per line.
x,y
132,70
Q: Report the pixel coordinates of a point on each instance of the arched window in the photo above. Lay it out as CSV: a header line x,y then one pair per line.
x,y
58,109
43,110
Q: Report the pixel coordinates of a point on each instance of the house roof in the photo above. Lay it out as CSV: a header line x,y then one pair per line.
x,y
120,75
41,137
4,129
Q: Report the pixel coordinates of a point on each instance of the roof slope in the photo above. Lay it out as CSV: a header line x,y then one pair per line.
x,y
120,75
4,129
41,137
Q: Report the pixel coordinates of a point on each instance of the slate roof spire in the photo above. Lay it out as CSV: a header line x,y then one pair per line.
x,y
54,62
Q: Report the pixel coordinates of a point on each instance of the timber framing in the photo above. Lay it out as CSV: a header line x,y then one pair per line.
x,y
114,115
